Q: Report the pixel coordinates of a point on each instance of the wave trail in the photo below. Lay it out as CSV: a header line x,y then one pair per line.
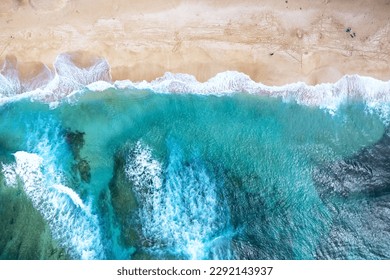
x,y
16,79
9,79
72,72
70,220
181,214
40,169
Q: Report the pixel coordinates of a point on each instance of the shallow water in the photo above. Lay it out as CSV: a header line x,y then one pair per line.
x,y
134,174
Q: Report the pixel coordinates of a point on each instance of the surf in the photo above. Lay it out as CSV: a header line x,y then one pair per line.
x,y
180,211
71,221
72,75
178,169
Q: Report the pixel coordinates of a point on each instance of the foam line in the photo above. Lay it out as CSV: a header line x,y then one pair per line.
x,y
71,222
70,78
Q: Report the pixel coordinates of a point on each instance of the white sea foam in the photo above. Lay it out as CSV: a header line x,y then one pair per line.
x,y
76,200
328,96
182,215
54,86
9,78
40,172
143,168
9,174
69,219
68,78
99,86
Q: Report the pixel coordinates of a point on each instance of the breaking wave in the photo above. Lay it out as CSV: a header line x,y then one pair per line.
x,y
71,220
181,214
69,77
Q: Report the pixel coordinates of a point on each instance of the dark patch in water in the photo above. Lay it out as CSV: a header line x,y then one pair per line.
x,y
84,170
253,219
357,191
123,201
75,140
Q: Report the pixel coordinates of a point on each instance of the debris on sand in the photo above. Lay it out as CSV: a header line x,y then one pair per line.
x,y
349,30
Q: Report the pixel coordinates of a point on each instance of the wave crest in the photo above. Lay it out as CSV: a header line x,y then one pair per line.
x,y
76,71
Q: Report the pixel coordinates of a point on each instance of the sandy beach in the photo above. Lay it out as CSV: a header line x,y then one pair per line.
x,y
274,42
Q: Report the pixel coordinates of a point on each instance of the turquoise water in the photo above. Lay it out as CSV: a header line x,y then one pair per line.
x,y
132,174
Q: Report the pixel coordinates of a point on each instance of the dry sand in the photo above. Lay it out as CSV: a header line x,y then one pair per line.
x,y
273,41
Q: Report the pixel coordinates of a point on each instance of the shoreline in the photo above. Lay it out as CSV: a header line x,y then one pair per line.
x,y
68,82
273,42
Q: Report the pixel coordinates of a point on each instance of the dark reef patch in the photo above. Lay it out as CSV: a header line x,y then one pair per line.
x,y
357,191
75,140
123,201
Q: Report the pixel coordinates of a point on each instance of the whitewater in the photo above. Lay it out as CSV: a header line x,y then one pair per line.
x,y
181,169
68,79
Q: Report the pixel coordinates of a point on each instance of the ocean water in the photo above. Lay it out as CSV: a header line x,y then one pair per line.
x,y
148,171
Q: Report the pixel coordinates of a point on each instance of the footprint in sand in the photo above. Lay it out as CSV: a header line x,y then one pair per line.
x,y
48,5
